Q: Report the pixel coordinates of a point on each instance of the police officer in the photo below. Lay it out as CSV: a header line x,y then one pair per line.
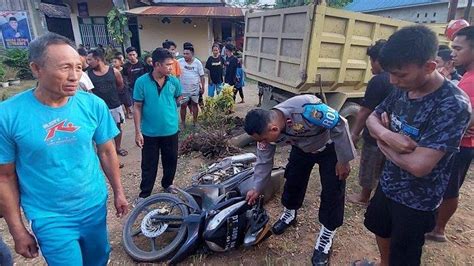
x,y
317,134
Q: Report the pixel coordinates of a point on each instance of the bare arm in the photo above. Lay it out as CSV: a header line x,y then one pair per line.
x,y
25,244
137,120
380,132
419,163
359,123
118,80
110,164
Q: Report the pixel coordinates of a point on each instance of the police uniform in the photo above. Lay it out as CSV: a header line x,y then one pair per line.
x,y
317,134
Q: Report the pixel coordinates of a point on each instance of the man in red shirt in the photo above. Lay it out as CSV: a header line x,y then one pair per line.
x,y
463,55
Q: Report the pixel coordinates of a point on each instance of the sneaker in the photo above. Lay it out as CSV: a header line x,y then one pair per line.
x,y
320,258
288,217
137,201
322,250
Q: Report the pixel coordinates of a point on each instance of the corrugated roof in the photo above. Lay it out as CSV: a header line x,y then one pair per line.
x,y
187,11
55,11
373,5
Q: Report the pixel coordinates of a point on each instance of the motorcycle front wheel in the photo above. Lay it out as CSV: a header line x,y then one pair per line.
x,y
154,229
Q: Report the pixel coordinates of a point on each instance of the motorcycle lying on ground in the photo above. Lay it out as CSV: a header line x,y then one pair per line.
x,y
211,213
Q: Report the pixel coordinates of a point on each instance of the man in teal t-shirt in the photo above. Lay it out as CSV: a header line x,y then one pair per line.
x,y
48,141
156,122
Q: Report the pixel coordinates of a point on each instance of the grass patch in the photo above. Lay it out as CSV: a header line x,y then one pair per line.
x,y
8,92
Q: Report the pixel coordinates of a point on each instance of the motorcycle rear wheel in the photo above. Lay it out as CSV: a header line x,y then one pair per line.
x,y
142,233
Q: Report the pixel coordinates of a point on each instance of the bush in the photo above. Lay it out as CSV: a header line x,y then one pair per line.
x,y
2,72
18,59
216,110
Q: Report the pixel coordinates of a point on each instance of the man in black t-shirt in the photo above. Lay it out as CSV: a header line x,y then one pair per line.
x,y
231,64
215,65
371,159
418,128
134,68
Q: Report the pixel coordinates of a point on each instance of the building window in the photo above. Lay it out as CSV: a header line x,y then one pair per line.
x,y
434,14
418,15
433,21
94,31
426,15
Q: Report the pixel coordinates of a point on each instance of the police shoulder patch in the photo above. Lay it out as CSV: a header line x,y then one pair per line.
x,y
320,114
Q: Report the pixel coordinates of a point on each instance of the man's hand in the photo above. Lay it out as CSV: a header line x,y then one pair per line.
x,y
399,143
201,90
139,139
385,120
343,170
25,245
121,205
252,197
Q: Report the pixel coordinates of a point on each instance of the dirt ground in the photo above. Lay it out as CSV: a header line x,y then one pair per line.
x,y
295,247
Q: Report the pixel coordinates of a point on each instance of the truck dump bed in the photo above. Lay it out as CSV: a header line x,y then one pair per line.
x,y
293,48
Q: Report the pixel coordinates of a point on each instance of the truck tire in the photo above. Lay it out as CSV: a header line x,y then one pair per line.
x,y
349,111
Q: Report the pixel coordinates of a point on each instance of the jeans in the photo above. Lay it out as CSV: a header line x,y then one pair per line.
x,y
5,254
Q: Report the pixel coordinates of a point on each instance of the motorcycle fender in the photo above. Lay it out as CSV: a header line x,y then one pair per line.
x,y
194,224
189,198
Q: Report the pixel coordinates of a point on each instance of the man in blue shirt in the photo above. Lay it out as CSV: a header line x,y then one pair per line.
x,y
418,128
56,148
156,122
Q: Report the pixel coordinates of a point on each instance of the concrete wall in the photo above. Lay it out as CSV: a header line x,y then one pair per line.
x,y
154,32
96,9
417,13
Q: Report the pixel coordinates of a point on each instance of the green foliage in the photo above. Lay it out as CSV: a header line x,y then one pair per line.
x,y
2,72
244,3
117,25
216,110
18,60
338,3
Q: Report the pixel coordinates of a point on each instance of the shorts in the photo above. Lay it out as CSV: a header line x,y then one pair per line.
x,y
189,97
214,88
372,161
406,227
462,161
79,239
118,115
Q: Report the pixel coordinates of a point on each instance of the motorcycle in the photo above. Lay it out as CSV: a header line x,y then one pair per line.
x,y
212,211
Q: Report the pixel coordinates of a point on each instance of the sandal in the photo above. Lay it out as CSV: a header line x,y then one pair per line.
x,y
121,165
122,152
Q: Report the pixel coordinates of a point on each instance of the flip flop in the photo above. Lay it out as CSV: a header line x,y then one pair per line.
x,y
122,152
363,262
435,237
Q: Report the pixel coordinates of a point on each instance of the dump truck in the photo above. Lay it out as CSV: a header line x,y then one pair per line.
x,y
314,49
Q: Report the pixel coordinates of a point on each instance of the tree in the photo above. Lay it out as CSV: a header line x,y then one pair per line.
x,y
244,3
117,25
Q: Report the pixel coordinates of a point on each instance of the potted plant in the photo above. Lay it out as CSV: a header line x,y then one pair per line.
x,y
3,81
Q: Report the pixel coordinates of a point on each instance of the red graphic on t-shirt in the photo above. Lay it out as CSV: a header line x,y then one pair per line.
x,y
69,128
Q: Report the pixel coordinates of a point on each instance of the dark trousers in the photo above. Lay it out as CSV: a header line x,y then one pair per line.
x,y
298,170
152,147
240,91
